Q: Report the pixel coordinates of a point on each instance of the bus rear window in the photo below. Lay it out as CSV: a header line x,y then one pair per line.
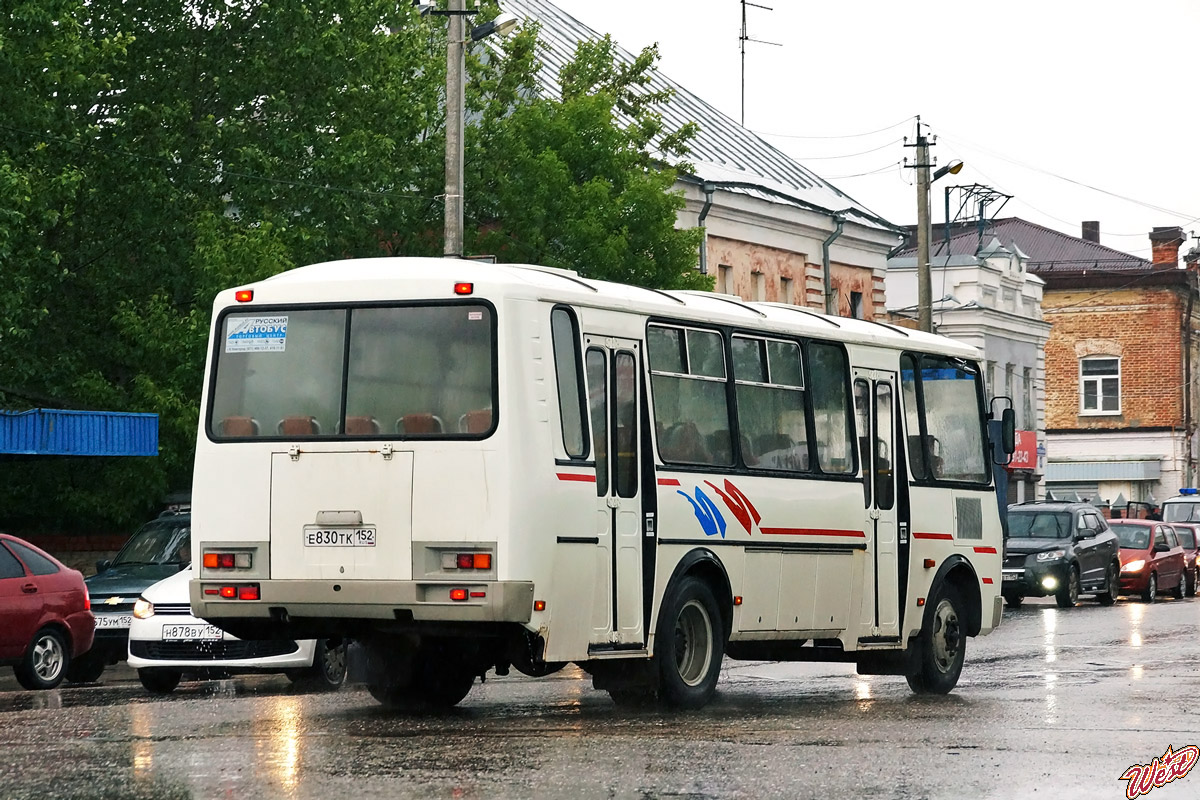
x,y
409,371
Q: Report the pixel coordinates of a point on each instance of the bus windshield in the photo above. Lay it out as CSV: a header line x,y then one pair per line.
x,y
408,371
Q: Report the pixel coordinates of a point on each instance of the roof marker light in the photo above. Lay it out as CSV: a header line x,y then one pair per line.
x,y
244,295
464,288
1189,491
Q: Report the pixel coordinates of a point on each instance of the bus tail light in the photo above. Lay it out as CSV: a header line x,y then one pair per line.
x,y
458,594
246,591
466,561
228,560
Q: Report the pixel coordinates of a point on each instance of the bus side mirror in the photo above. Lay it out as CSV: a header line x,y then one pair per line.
x,y
1008,432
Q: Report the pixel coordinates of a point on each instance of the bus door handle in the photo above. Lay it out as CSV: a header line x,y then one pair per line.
x,y
612,502
875,514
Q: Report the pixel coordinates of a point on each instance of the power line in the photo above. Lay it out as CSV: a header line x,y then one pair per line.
x,y
861,174
850,155
841,136
1135,201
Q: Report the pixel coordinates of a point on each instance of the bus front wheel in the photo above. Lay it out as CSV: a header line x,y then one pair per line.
x,y
942,644
690,645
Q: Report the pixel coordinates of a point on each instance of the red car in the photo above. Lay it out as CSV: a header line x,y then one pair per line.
x,y
45,616
1189,540
1151,559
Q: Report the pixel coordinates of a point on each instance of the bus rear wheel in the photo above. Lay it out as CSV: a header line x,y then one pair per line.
x,y
690,645
435,684
942,645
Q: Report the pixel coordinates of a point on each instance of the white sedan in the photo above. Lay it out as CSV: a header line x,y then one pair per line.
x,y
166,642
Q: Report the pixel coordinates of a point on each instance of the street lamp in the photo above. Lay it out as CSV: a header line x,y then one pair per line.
x,y
456,56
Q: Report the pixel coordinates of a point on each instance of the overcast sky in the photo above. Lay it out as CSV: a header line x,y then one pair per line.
x,y
1100,92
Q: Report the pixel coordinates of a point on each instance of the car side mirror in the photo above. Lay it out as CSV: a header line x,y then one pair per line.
x,y
1081,535
102,565
1161,548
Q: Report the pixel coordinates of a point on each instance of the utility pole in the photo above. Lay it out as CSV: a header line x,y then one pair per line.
x,y
456,54
924,281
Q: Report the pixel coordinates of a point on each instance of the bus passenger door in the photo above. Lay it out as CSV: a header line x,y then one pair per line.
x,y
875,405
613,377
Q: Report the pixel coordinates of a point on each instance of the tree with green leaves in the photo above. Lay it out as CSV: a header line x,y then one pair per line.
x,y
155,153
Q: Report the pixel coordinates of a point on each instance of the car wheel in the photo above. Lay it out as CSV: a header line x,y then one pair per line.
x,y
1151,589
159,681
86,669
328,670
1179,591
46,661
1112,585
1068,596
1014,600
1191,586
690,644
942,644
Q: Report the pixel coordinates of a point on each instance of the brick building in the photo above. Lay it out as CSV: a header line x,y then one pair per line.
x,y
1121,368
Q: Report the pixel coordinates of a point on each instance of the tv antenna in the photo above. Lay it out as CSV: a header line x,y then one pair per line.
x,y
743,38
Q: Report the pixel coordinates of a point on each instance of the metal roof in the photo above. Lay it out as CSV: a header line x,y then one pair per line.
x,y
56,432
724,152
1048,250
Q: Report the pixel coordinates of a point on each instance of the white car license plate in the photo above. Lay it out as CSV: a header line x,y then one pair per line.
x,y
180,633
113,621
339,537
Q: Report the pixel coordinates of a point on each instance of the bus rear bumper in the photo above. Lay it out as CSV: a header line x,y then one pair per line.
x,y
419,601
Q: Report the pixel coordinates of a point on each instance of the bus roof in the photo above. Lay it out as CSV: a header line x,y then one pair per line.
x,y
383,279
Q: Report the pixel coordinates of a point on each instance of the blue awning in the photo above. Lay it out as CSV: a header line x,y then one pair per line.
x,y
56,432
1072,471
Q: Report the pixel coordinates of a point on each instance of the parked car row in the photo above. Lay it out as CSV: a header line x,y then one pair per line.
x,y
56,626
1064,550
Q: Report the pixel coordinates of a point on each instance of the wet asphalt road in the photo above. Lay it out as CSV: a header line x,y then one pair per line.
x,y
1054,704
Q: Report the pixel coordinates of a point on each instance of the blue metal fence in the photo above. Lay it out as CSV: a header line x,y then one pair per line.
x,y
45,431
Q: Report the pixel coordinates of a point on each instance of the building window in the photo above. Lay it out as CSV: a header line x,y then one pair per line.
x,y
724,282
1027,392
785,291
760,286
856,305
1100,385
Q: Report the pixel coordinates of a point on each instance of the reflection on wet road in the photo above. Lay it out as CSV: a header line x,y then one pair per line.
x,y
1055,703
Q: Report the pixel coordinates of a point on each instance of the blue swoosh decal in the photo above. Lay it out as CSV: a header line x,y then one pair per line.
x,y
706,512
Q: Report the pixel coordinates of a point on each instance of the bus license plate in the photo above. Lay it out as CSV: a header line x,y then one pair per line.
x,y
339,537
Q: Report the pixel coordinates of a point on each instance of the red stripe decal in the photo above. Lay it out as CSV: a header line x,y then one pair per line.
x,y
572,476
987,580
985,550
947,536
668,482
810,532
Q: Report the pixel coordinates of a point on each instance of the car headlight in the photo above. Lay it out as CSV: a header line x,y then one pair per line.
x,y
1051,555
143,608
1134,566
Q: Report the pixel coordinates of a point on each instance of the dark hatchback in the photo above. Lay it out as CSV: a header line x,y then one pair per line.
x,y
1060,549
158,549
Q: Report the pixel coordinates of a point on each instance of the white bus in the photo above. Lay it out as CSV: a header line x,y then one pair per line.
x,y
467,467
